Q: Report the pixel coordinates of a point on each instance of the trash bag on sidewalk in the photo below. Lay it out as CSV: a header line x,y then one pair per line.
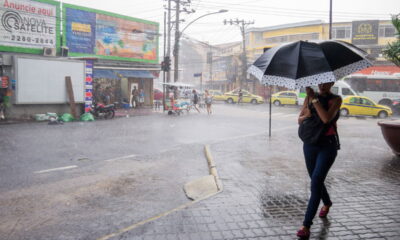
x,y
67,117
86,117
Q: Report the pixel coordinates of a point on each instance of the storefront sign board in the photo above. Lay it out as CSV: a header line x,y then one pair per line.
x,y
28,26
94,33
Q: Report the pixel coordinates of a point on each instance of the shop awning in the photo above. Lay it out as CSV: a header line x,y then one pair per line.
x,y
135,73
104,73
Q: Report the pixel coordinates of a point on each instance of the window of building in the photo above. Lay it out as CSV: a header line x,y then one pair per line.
x,y
386,31
341,32
292,38
258,37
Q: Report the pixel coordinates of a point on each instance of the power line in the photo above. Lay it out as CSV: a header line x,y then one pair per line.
x,y
257,7
291,12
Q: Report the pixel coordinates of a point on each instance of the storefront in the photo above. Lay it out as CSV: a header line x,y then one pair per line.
x,y
105,55
117,84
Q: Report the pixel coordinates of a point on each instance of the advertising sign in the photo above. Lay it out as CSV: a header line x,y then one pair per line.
x,y
80,34
88,85
95,33
28,25
4,82
365,32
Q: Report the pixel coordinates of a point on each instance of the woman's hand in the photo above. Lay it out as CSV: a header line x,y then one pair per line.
x,y
310,93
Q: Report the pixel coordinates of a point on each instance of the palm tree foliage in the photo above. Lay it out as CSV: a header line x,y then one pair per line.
x,y
392,51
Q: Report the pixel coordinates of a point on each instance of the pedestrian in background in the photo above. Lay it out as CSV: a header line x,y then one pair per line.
x,y
141,98
240,100
208,101
320,156
195,100
135,95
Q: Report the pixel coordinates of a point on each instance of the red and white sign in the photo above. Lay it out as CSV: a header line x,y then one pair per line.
x,y
4,82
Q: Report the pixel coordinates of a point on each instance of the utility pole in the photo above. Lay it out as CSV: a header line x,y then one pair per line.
x,y
242,25
210,60
169,38
164,72
176,45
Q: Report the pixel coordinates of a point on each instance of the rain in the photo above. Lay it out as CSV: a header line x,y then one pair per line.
x,y
199,119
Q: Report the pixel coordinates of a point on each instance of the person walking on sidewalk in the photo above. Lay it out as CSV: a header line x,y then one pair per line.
x,y
240,99
320,156
195,100
208,100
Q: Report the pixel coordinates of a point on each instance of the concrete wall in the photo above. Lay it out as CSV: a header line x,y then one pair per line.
x,y
28,111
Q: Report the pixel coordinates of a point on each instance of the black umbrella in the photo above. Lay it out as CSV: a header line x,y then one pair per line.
x,y
302,64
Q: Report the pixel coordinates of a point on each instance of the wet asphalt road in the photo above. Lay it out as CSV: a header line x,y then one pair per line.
x,y
128,169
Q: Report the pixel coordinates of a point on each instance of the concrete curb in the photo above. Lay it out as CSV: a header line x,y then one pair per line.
x,y
212,167
213,172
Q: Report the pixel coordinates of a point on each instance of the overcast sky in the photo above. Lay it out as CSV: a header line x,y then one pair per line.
x,y
263,12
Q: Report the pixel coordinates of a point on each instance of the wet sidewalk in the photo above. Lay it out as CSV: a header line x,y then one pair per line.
x,y
134,112
266,188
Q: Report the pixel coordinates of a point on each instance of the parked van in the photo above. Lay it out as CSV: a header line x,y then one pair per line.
x,y
340,88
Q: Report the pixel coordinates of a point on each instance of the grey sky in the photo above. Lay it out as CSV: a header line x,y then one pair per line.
x,y
263,12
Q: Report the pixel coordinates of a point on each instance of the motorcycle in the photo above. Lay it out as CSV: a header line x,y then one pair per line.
x,y
100,110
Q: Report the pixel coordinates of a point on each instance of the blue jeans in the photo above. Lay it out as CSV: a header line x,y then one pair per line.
x,y
319,159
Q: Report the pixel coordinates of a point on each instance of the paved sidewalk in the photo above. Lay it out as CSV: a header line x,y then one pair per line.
x,y
266,188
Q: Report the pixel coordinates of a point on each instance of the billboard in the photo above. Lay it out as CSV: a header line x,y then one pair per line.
x,y
94,33
29,25
365,32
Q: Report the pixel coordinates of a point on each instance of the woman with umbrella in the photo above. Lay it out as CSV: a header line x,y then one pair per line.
x,y
304,64
319,156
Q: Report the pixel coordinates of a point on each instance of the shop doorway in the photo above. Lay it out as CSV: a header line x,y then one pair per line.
x,y
133,85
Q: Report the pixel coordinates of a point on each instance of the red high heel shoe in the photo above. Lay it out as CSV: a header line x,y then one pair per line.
x,y
324,211
303,233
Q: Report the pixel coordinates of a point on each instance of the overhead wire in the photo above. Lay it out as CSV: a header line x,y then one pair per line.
x,y
294,13
214,4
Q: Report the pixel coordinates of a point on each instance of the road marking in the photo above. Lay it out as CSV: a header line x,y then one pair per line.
x,y
120,158
57,169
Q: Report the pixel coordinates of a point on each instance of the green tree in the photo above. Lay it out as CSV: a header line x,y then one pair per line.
x,y
392,51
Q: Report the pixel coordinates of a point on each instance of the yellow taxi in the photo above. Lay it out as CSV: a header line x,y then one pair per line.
x,y
284,98
358,105
233,97
217,95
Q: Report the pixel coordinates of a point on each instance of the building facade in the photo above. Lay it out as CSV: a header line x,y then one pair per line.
x,y
104,54
369,35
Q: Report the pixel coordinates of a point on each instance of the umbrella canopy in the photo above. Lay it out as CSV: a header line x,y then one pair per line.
x,y
302,64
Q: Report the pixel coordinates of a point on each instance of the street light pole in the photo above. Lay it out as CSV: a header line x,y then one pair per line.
x,y
178,36
330,19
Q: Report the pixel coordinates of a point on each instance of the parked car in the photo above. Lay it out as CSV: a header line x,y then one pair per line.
x,y
358,105
284,98
217,95
233,96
